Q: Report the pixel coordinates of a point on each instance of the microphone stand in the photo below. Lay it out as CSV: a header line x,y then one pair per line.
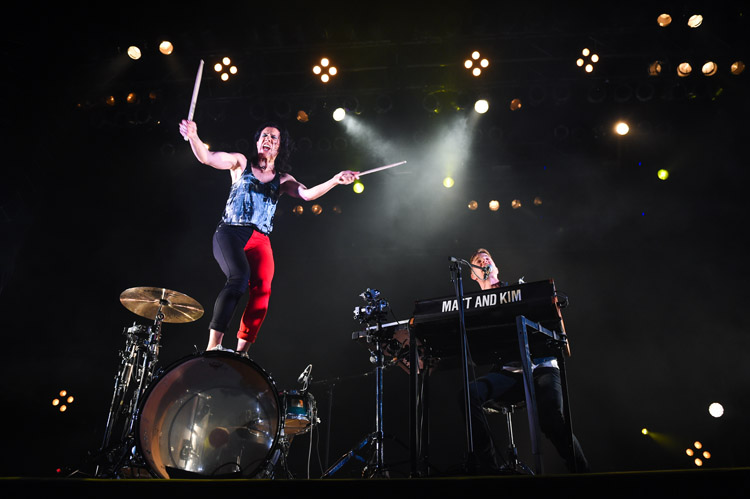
x,y
458,281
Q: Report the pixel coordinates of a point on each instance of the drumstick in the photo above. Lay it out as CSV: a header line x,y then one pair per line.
x,y
197,87
380,168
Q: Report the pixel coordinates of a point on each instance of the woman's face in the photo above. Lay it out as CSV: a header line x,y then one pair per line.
x,y
269,142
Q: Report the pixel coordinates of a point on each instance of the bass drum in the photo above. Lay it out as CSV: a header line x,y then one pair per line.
x,y
210,415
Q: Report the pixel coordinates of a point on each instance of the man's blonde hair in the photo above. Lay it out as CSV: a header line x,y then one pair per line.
x,y
478,252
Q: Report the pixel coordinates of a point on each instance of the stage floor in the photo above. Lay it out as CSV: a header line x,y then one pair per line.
x,y
717,483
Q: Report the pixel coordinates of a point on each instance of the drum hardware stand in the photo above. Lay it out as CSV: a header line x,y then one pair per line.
x,y
279,459
372,314
137,367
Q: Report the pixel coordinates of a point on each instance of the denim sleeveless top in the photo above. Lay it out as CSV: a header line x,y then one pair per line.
x,y
252,203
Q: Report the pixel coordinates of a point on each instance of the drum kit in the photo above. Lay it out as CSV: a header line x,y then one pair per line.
x,y
213,414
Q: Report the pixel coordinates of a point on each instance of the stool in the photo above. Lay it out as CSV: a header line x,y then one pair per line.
x,y
513,464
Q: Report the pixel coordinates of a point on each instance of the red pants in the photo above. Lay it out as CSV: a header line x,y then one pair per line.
x,y
260,257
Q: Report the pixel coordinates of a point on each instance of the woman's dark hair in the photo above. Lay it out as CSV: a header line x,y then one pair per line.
x,y
282,160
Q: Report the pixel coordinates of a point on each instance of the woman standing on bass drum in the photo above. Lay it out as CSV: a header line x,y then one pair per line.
x,y
241,244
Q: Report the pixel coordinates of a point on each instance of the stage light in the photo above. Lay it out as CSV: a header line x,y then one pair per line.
x,y
448,182
561,132
298,210
358,187
654,69
431,103
716,410
337,209
622,128
695,21
593,58
709,68
684,69
473,205
515,204
515,104
62,397
475,64
383,104
325,70
537,201
134,52
131,98
481,106
166,47
644,92
691,452
316,209
597,94
664,20
494,205
737,67
662,174
302,117
226,63
339,114
644,431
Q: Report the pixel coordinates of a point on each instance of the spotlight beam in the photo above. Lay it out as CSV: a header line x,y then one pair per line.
x,y
380,168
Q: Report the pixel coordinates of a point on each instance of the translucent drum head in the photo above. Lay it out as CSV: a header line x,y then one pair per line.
x,y
212,415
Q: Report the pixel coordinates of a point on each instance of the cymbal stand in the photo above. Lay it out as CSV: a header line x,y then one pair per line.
x,y
374,468
137,369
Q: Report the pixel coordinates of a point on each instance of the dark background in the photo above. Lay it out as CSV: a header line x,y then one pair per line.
x,y
96,200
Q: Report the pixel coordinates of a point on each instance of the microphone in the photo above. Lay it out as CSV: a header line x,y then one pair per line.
x,y
486,270
305,374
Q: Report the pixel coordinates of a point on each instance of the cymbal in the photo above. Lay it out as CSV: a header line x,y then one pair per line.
x,y
176,307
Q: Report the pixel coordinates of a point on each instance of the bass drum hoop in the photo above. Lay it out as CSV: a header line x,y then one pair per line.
x,y
234,414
